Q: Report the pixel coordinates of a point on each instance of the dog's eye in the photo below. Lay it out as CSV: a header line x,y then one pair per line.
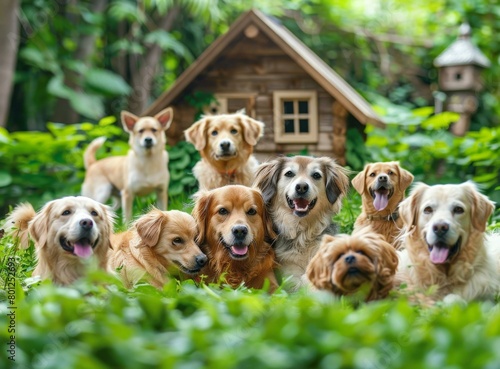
x,y
215,133
94,213
289,174
223,211
233,131
316,176
458,210
339,256
252,211
66,212
141,131
390,172
178,241
428,210
372,174
154,130
360,252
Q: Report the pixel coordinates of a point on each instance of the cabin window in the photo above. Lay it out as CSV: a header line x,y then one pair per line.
x,y
295,117
228,103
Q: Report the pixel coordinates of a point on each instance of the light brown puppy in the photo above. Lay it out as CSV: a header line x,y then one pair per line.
x,y
382,187
362,263
445,244
236,234
157,241
302,194
65,231
226,144
142,171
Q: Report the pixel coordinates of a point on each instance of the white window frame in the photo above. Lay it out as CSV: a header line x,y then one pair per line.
x,y
279,117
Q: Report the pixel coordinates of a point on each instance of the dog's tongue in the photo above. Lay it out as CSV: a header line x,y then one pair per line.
x,y
381,201
82,249
239,250
439,254
301,204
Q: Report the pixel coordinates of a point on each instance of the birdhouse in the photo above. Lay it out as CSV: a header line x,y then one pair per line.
x,y
460,67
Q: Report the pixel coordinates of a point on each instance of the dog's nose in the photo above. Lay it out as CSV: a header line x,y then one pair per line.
x,y
240,231
350,259
440,228
224,145
382,178
148,141
301,188
86,223
201,260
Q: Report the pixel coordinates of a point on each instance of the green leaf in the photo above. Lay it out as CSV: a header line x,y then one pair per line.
x,y
166,41
5,179
87,105
57,87
107,82
440,121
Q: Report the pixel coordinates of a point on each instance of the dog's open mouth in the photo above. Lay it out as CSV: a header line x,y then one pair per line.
x,y
187,270
301,206
441,253
236,251
82,248
381,197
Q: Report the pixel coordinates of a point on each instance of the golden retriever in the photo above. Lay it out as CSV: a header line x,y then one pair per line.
x,y
445,244
236,233
362,263
225,143
143,170
302,194
65,231
157,241
382,187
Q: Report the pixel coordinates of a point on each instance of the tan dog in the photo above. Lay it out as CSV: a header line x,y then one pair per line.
x,y
65,232
156,242
142,171
236,234
302,194
226,144
445,243
382,187
362,263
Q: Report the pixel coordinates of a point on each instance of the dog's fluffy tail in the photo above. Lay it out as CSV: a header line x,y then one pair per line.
x,y
89,154
17,223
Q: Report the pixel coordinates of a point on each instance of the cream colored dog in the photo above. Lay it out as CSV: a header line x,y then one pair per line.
x,y
65,232
225,143
142,171
156,242
445,244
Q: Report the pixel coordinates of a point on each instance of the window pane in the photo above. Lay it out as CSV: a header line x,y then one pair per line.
x,y
289,126
287,107
303,107
304,125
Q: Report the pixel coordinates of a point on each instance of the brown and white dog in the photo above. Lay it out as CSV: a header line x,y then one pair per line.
x,y
157,241
65,231
236,233
445,244
302,194
382,187
142,171
362,263
225,143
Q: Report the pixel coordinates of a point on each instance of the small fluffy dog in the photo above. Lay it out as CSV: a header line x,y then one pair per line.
x,y
302,194
382,187
346,265
236,233
142,171
65,232
157,241
445,244
225,143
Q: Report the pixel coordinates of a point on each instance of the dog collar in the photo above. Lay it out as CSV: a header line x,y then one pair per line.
x,y
388,218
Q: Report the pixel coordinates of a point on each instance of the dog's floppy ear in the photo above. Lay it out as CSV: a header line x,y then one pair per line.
x,y
267,177
408,208
109,221
319,268
481,207
165,118
269,231
39,227
128,121
253,130
405,178
202,204
358,182
196,133
337,181
149,227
